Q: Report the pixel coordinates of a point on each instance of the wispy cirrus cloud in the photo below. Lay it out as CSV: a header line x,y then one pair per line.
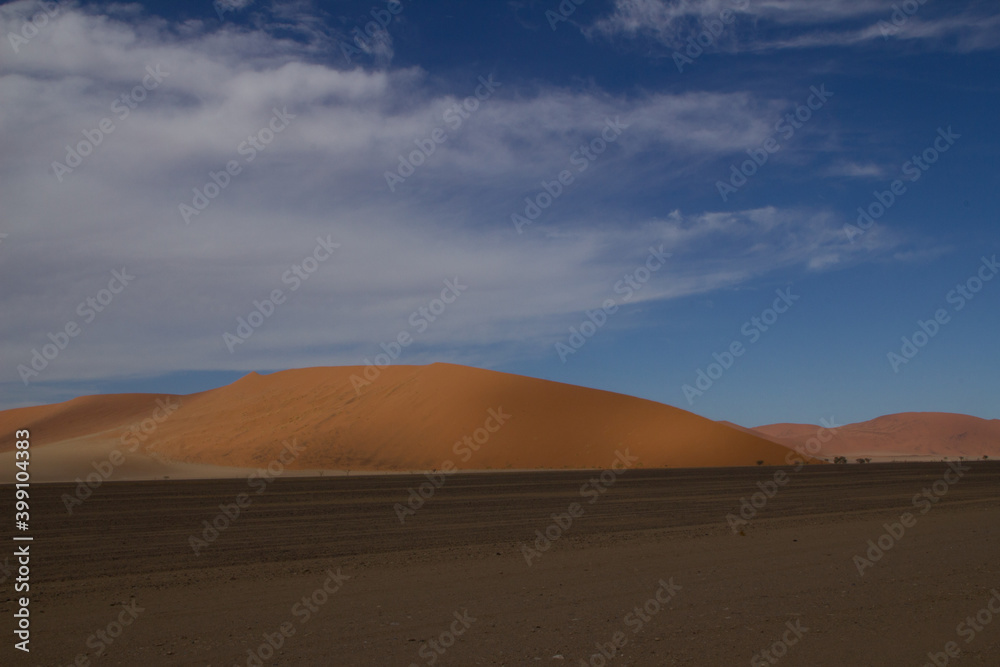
x,y
770,25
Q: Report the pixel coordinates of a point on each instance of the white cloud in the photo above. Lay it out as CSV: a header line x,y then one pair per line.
x,y
323,175
849,169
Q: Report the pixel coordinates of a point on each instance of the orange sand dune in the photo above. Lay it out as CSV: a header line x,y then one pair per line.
x,y
918,435
409,418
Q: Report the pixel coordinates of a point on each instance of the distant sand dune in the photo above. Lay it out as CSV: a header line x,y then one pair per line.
x,y
409,418
903,436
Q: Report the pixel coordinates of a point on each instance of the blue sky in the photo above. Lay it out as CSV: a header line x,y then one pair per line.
x,y
218,156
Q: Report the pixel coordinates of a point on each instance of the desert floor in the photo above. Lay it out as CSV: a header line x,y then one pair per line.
x,y
118,576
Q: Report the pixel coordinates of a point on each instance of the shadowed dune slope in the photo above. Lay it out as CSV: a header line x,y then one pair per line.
x,y
86,415
408,418
903,435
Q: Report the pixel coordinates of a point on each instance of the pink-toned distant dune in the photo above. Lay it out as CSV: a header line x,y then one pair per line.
x,y
908,435
408,418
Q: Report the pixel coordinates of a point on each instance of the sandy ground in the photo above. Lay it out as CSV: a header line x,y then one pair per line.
x,y
726,597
